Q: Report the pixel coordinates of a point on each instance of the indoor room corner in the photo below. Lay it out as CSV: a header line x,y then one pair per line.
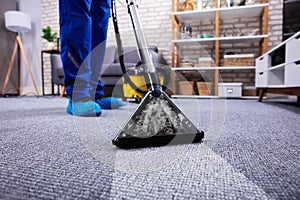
x,y
201,99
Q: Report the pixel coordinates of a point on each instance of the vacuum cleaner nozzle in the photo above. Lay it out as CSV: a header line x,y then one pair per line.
x,y
157,121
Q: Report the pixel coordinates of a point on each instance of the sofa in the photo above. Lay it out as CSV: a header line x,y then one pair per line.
x,y
57,72
111,73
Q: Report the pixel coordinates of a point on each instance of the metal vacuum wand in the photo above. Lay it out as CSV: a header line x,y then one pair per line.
x,y
157,121
151,76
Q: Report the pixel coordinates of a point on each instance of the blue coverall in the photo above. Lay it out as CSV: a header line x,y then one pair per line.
x,y
83,35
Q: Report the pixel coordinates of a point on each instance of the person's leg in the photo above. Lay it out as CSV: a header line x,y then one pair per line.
x,y
75,35
100,13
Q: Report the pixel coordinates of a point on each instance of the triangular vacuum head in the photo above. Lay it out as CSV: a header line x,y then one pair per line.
x,y
157,121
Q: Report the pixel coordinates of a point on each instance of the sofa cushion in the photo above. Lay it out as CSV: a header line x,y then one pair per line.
x,y
111,72
115,69
131,54
59,79
57,72
110,55
111,80
60,72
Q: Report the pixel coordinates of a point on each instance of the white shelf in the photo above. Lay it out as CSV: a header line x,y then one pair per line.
x,y
223,40
212,68
186,16
194,96
277,86
277,67
242,39
242,11
225,13
210,97
201,41
235,67
197,16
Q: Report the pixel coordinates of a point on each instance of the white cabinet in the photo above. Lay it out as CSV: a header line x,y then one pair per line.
x,y
280,67
292,55
262,64
292,73
292,49
261,78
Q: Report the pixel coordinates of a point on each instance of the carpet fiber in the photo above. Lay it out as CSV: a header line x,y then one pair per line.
x,y
251,151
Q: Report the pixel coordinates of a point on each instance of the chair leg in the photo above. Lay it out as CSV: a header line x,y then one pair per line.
x,y
63,90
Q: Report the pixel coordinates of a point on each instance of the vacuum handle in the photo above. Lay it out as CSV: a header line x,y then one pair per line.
x,y
151,76
140,37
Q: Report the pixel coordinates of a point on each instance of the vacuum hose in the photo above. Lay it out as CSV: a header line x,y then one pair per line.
x,y
151,77
121,51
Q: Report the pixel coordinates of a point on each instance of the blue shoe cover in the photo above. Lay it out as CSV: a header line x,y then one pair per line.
x,y
84,109
110,103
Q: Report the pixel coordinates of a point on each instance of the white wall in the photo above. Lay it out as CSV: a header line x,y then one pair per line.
x,y
32,45
7,40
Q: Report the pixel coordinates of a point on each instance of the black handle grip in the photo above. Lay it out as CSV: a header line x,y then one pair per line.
x,y
261,58
297,62
260,73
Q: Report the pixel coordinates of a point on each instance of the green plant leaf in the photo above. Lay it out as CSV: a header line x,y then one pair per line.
x,y
48,35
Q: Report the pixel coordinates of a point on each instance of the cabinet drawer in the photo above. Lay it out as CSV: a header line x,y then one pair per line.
x,y
261,64
292,74
261,79
293,50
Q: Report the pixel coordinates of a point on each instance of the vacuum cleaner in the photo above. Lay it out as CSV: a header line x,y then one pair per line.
x,y
157,121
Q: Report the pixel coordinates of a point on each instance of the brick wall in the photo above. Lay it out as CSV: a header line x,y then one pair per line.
x,y
156,20
50,18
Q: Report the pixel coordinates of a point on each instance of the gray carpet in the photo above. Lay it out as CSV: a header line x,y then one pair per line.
x,y
251,151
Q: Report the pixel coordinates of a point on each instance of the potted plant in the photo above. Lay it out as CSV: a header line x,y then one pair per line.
x,y
50,37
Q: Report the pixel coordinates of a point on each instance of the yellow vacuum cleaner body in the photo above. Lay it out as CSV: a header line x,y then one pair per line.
x,y
140,82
